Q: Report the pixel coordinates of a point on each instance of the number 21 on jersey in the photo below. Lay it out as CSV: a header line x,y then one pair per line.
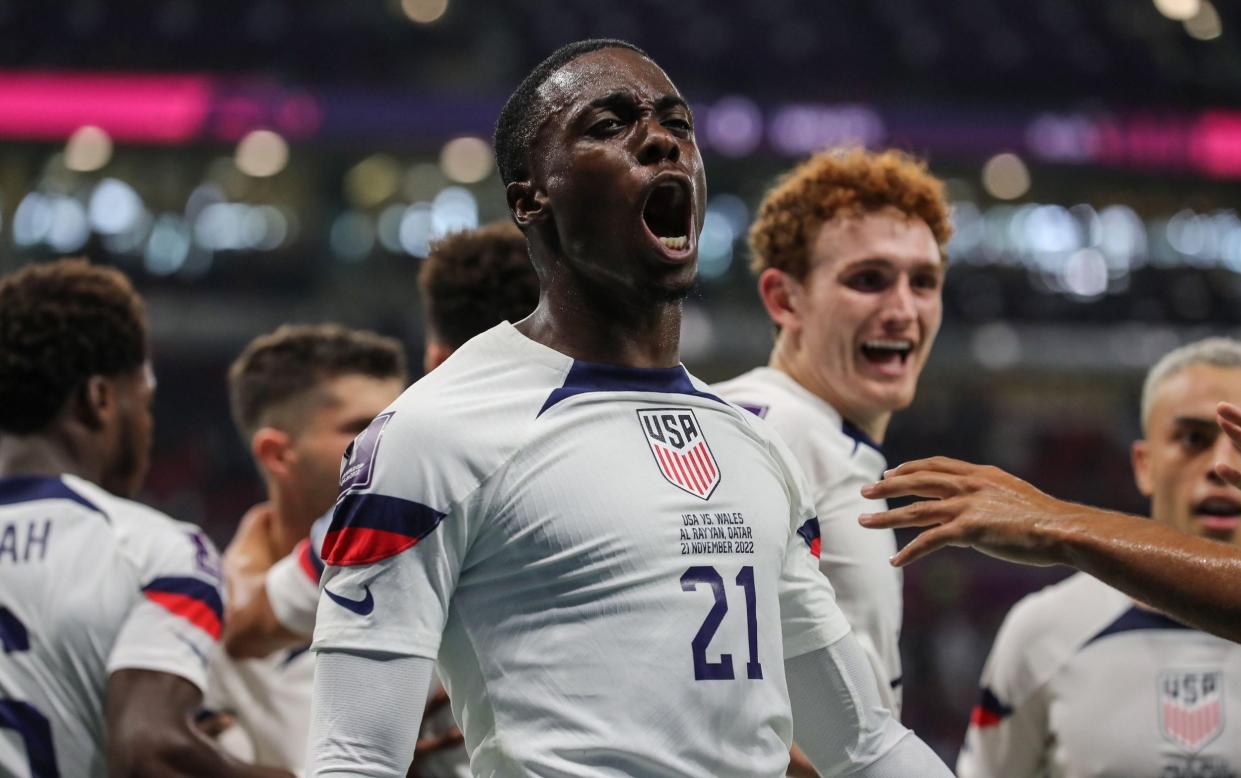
x,y
722,670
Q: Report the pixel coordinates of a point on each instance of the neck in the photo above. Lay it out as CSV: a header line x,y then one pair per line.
x,y
793,362
291,519
599,326
49,454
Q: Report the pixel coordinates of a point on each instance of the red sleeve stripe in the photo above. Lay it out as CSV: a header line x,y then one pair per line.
x,y
989,711
369,527
308,560
809,532
194,600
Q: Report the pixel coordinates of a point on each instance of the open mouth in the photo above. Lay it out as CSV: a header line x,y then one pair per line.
x,y
1219,513
667,214
887,352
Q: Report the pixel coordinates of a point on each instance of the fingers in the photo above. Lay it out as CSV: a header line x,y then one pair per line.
x,y
915,484
1229,412
934,464
928,542
919,514
1228,473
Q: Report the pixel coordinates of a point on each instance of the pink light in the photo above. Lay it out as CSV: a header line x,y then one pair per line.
x,y
1216,144
142,108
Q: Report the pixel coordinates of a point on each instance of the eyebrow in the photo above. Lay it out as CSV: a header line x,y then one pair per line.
x,y
1194,421
627,100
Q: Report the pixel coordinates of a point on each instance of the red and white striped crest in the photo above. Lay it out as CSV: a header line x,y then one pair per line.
x,y
680,449
1191,707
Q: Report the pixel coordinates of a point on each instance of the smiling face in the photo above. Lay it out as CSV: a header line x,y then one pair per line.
x,y
862,322
616,178
1174,465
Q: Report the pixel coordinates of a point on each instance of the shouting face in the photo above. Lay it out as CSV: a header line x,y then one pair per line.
x,y
1174,465
616,177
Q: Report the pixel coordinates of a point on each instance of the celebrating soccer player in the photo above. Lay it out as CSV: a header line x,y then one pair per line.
x,y
108,609
615,567
298,396
1083,679
848,248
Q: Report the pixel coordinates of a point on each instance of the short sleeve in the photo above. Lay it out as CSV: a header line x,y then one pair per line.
x,y
1008,728
175,625
292,584
809,615
396,543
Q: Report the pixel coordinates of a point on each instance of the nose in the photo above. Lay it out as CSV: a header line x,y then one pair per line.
x,y
657,144
901,307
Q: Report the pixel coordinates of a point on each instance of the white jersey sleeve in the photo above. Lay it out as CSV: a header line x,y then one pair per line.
x,y
1007,736
175,626
396,542
292,583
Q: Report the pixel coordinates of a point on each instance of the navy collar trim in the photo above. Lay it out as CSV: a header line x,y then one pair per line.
x,y
587,377
27,488
1137,619
859,437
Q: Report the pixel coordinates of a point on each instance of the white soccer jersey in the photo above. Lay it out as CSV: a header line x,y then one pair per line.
x,y
618,562
91,584
838,459
1081,682
271,696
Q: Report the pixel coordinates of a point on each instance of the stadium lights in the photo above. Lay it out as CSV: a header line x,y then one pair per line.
x,y
1178,10
261,153
1005,177
466,160
89,148
1204,25
424,11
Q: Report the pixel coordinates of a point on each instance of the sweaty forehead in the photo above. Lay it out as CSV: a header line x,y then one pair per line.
x,y
603,72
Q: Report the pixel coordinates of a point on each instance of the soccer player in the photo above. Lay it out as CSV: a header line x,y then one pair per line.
x,y
1190,578
108,609
849,252
1084,680
614,566
298,396
470,281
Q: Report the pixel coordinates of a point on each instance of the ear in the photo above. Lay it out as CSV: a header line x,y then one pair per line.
x,y
95,402
527,204
434,355
1141,456
273,450
782,297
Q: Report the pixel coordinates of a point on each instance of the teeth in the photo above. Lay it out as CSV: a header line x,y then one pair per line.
x,y
890,345
676,244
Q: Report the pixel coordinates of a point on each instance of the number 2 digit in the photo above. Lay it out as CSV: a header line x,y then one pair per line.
x,y
31,726
705,670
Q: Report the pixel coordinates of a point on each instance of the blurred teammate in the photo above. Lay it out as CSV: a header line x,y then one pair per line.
x,y
848,249
1083,680
298,396
470,282
108,609
619,564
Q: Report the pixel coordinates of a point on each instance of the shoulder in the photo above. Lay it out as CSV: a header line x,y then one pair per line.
x,y
1044,630
802,420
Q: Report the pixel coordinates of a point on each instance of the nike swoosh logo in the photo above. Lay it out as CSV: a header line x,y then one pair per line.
x,y
361,607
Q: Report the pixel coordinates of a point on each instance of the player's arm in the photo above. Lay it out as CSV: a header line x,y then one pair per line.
x,y
841,724
149,718
281,613
1195,580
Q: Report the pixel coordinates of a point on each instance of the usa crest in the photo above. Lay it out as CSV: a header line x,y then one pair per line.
x,y
680,449
1191,707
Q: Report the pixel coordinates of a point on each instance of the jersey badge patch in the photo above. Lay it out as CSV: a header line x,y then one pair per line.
x,y
358,468
680,450
1191,707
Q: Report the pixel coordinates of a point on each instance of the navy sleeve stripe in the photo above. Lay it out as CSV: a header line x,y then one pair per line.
x,y
193,588
369,527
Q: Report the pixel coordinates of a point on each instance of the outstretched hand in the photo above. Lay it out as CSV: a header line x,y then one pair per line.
x,y
1228,416
971,505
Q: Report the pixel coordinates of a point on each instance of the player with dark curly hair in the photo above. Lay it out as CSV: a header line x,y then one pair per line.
x,y
108,609
848,248
471,281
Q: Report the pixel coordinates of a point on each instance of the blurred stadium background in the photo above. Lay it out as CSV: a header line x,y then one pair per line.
x,y
252,163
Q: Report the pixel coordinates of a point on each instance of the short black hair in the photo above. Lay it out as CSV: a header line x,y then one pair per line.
x,y
519,119
62,322
290,363
473,280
